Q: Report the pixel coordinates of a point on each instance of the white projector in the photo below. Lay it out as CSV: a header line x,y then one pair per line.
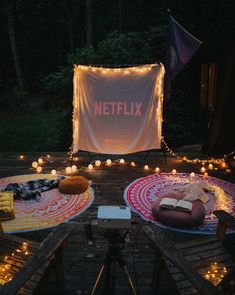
x,y
114,217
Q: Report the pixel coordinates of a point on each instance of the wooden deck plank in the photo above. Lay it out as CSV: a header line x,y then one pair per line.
x,y
108,184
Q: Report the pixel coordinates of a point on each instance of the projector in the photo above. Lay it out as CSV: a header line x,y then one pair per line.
x,y
114,217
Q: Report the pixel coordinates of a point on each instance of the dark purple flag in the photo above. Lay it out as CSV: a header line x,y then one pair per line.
x,y
180,48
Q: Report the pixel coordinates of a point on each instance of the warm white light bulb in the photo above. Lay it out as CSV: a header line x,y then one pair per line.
x,y
74,168
146,167
192,174
122,161
90,166
157,169
97,163
108,162
53,172
205,174
173,171
40,160
203,169
39,169
133,164
35,164
68,170
210,166
21,157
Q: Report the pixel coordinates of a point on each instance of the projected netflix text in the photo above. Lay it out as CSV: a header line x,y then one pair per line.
x,y
113,108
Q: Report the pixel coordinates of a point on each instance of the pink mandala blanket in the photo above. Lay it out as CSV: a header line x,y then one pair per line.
x,y
141,193
52,209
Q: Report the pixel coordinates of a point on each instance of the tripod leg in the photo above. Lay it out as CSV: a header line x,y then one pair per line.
x,y
128,277
98,280
110,278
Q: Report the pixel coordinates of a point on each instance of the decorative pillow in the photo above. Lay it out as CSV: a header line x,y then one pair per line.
x,y
6,206
73,185
179,218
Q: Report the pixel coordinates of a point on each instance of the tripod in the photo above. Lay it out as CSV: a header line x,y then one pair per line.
x,y
113,259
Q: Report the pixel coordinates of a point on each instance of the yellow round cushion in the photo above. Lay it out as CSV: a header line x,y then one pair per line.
x,y
73,185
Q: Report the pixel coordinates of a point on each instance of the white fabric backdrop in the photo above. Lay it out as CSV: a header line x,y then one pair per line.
x,y
117,111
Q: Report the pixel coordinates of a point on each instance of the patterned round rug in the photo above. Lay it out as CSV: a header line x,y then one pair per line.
x,y
52,209
141,194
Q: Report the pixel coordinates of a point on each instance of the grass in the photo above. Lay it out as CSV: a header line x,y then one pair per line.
x,y
31,129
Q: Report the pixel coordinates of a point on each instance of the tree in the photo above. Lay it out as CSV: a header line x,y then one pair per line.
x,y
11,30
89,22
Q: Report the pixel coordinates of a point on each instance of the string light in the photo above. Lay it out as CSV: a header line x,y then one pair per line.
x,y
40,161
74,168
68,170
35,164
21,157
53,172
196,160
215,274
174,171
203,169
133,164
210,166
108,162
90,167
122,161
157,169
39,169
6,276
146,167
97,163
192,174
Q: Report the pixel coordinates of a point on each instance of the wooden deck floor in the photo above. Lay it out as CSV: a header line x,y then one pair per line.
x,y
82,261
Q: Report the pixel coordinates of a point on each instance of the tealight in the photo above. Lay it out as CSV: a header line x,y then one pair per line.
x,y
35,164
39,169
174,171
146,167
74,168
68,170
40,160
53,172
90,166
122,161
97,163
157,169
108,162
192,174
133,164
203,169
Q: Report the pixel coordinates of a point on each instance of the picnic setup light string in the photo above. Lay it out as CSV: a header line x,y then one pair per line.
x,y
73,169
7,269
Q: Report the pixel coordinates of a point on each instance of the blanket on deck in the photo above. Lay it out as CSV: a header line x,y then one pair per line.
x,y
32,189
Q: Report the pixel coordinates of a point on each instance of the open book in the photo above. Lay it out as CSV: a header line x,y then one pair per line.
x,y
174,204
